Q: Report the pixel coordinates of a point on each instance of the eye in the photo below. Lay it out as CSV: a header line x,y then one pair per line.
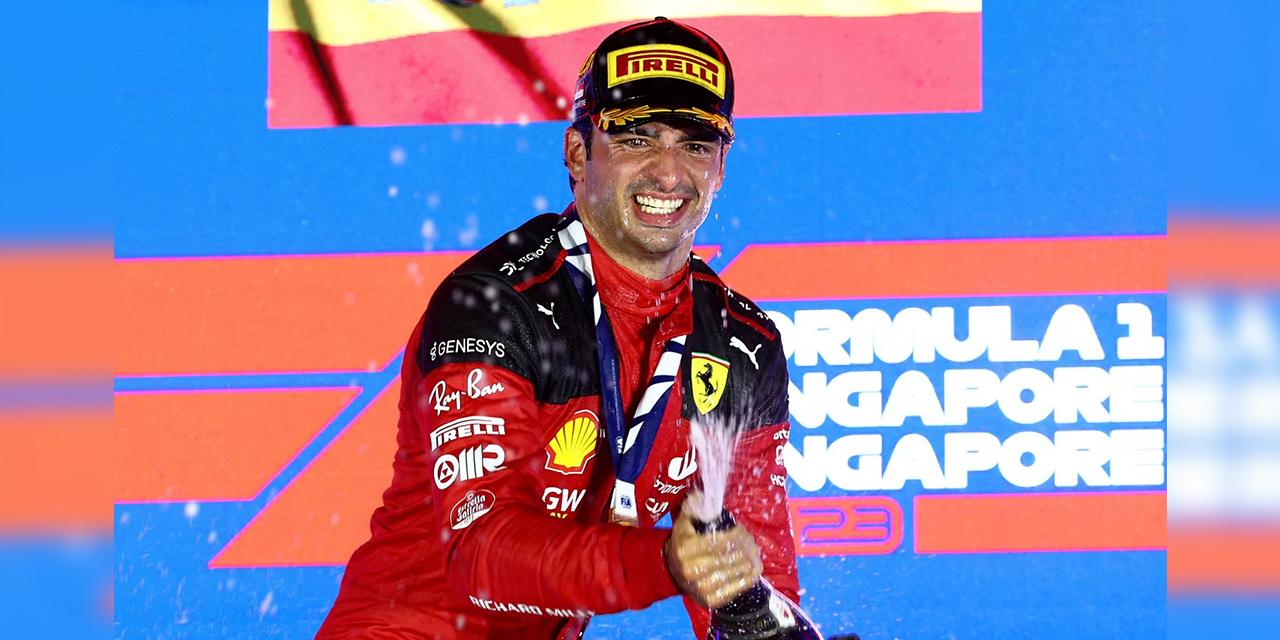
x,y
634,142
700,148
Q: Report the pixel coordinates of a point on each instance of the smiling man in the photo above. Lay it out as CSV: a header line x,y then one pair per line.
x,y
548,391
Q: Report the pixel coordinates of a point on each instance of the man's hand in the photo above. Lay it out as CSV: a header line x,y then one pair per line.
x,y
715,568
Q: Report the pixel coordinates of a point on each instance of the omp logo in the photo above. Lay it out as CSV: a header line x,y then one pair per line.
x,y
467,427
846,525
666,61
468,465
574,445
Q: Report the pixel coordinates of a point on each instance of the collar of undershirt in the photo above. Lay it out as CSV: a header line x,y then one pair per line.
x,y
623,291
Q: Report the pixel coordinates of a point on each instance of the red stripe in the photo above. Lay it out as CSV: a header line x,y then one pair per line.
x,y
544,276
918,63
1111,521
954,268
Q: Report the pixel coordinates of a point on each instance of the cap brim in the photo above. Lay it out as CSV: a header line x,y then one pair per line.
x,y
640,111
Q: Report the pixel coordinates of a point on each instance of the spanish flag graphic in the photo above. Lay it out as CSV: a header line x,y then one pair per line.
x,y
405,62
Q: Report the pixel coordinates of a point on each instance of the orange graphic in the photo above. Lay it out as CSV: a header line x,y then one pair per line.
x,y
1224,252
213,445
269,314
323,515
51,465
1040,522
1224,556
50,301
574,445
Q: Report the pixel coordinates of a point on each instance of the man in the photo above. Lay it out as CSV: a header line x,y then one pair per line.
x,y
548,391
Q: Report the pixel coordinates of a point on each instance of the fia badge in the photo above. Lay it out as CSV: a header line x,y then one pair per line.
x,y
708,375
623,506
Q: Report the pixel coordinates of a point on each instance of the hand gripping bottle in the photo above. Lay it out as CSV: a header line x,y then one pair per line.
x,y
760,612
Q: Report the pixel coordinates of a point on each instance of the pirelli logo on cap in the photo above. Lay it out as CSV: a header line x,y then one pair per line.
x,y
666,61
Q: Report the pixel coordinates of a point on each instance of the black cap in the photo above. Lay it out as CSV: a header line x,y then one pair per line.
x,y
656,70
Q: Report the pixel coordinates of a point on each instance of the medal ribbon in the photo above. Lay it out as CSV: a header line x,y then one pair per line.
x,y
629,443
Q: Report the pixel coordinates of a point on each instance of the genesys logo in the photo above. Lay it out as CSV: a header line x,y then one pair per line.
x,y
468,465
468,346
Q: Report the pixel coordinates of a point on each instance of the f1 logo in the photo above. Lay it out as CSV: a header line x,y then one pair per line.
x,y
846,525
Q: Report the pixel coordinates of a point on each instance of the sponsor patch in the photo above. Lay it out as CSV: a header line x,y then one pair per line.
x,y
469,464
666,61
468,345
683,467
656,508
467,427
470,507
562,502
574,445
709,376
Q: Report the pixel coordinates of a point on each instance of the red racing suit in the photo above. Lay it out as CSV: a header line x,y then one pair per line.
x,y
496,523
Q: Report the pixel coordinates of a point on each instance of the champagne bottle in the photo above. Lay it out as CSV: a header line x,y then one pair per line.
x,y
760,612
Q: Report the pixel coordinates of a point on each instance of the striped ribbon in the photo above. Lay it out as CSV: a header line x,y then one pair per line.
x,y
630,449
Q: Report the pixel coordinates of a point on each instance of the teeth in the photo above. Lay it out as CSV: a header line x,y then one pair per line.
x,y
658,206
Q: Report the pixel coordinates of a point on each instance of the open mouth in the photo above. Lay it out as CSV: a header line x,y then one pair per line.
x,y
657,211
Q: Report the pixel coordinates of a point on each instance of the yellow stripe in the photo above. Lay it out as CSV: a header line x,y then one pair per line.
x,y
346,22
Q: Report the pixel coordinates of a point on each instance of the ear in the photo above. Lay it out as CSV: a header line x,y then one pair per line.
x,y
575,154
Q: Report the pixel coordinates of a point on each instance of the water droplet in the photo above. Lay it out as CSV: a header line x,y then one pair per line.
x,y
393,191
397,156
191,510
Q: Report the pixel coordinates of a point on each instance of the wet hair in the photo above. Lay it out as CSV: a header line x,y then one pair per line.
x,y
585,129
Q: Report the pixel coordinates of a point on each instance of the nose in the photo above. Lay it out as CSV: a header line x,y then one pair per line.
x,y
666,167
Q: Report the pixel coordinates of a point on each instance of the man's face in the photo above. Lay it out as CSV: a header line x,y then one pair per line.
x,y
644,191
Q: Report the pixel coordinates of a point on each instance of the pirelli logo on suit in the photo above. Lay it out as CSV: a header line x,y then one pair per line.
x,y
666,61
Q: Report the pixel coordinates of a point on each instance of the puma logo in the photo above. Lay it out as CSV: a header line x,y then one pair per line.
x,y
740,346
548,312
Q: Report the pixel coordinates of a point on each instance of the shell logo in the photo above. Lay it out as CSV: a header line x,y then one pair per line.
x,y
574,445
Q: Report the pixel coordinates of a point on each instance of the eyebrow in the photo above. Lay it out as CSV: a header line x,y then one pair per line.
x,y
688,135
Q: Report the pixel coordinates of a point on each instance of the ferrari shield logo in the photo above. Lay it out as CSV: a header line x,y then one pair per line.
x,y
709,375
